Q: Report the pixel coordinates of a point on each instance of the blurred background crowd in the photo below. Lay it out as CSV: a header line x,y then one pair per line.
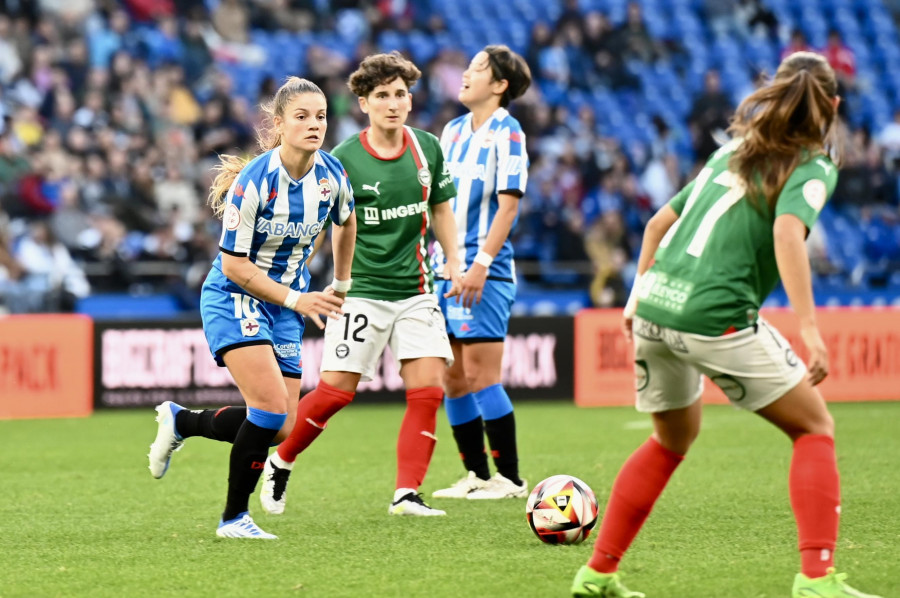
x,y
112,113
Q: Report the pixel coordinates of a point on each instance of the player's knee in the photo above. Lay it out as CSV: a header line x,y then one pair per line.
x,y
455,384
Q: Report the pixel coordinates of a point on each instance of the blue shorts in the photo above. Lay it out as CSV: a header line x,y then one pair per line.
x,y
486,321
232,318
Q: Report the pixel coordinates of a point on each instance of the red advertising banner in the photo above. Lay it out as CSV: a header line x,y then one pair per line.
x,y
46,366
863,349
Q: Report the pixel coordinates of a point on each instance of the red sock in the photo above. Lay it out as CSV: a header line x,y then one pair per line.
x,y
639,483
416,441
816,499
313,413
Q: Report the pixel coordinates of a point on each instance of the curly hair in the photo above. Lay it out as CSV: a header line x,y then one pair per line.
x,y
379,69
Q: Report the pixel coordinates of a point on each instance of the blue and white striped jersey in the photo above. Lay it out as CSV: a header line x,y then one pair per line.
x,y
274,219
483,163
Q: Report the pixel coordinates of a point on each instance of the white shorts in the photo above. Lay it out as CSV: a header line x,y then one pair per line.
x,y
412,328
753,367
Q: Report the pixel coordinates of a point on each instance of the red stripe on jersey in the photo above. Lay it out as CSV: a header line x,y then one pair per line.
x,y
419,258
514,136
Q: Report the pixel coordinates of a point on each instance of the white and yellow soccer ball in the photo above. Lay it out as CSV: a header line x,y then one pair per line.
x,y
562,510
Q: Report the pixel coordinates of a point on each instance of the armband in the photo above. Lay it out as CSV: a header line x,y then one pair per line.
x,y
290,301
341,286
483,258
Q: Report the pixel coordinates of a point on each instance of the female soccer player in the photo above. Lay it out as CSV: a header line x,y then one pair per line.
x,y
253,299
719,247
485,152
398,178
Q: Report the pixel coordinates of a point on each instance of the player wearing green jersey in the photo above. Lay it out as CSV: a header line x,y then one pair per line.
x,y
717,250
400,182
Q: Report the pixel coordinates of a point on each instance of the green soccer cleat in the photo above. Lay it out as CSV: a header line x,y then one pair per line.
x,y
830,586
603,585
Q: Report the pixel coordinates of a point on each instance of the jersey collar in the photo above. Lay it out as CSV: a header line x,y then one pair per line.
x,y
364,140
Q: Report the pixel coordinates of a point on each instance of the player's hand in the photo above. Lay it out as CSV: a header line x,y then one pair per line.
x,y
452,273
627,324
472,285
329,290
818,354
313,305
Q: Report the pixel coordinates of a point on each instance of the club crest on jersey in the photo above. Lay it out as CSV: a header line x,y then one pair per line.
x,y
249,327
424,177
324,189
232,217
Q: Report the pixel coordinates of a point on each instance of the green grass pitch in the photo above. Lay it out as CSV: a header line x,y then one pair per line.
x,y
81,515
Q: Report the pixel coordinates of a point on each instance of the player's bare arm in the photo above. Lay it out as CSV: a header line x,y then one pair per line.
x,y
793,265
244,273
656,229
474,278
343,244
443,223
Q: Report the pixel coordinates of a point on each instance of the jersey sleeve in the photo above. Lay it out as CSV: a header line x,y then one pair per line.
x,y
807,190
239,217
443,188
677,203
344,204
512,160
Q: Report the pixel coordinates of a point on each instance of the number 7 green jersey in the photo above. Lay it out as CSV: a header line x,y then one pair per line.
x,y
716,265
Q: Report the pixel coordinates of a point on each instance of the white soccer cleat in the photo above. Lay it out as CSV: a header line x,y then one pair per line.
x,y
461,488
243,527
167,439
412,504
273,493
499,487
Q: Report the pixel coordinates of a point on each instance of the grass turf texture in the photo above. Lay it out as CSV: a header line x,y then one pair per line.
x,y
83,517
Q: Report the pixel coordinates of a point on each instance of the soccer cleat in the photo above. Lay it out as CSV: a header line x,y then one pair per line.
x,y
499,487
242,527
461,488
273,493
604,585
412,504
830,586
167,439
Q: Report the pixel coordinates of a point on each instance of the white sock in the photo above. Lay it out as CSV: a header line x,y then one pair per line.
x,y
280,463
401,492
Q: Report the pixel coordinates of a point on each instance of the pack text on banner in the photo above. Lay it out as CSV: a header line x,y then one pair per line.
x,y
863,350
46,366
142,363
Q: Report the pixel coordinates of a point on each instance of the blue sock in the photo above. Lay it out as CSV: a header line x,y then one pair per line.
x,y
461,409
493,402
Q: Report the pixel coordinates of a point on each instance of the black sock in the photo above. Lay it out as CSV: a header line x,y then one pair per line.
x,y
470,440
218,424
501,433
248,455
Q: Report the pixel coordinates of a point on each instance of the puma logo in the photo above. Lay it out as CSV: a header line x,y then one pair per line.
x,y
371,188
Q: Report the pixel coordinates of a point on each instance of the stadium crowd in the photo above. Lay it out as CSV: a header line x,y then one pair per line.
x,y
112,113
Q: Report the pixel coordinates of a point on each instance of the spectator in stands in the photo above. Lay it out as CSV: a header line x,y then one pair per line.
x,y
797,43
709,115
755,19
841,59
632,41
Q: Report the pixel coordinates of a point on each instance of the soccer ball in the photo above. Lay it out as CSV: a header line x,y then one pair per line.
x,y
562,510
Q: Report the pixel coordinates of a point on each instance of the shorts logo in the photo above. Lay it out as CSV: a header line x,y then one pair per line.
x,y
342,351
733,389
790,357
424,177
232,217
249,327
641,375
